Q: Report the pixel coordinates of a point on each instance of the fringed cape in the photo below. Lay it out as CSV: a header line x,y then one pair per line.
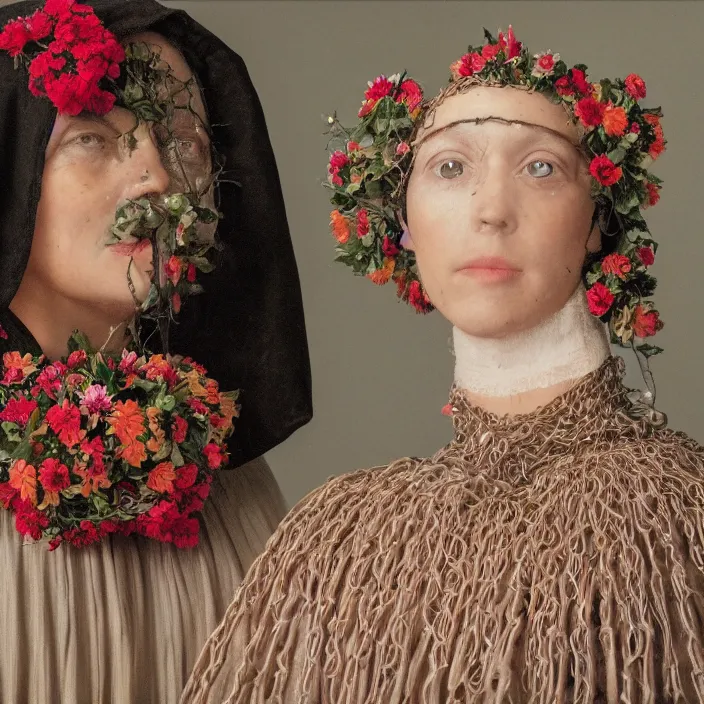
x,y
556,556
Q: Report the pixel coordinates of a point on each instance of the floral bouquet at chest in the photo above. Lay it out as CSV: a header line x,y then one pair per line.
x,y
99,444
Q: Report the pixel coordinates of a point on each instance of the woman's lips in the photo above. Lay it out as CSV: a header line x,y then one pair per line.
x,y
490,269
130,249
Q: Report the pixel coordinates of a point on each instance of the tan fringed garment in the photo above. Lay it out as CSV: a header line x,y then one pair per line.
x,y
123,622
553,557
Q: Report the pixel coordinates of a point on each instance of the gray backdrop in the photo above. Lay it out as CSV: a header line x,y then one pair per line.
x,y
381,372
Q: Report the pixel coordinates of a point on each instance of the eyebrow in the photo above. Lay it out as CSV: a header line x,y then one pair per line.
x,y
481,120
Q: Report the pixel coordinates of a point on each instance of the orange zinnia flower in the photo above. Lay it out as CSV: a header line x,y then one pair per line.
x,y
93,479
194,385
162,477
615,121
23,477
340,226
156,442
126,421
13,360
382,276
211,387
133,454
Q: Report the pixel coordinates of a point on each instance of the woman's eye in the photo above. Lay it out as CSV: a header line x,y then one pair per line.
x,y
450,169
539,169
90,139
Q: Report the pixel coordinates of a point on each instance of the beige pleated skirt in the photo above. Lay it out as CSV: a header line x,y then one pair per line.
x,y
123,622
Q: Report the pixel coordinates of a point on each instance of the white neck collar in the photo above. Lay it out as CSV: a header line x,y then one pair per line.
x,y
568,345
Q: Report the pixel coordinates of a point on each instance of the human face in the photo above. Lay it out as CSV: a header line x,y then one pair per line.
x,y
499,213
90,171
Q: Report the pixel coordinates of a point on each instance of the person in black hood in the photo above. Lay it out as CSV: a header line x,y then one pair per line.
x,y
123,620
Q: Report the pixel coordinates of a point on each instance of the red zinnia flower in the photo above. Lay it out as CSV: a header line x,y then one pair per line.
x,y
76,358
645,322
29,521
411,94
600,299
604,170
65,421
389,248
653,193
489,51
54,475
362,223
18,410
590,111
179,428
616,264
214,455
14,37
161,478
635,86
646,255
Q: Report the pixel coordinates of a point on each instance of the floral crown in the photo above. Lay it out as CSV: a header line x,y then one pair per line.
x,y
369,171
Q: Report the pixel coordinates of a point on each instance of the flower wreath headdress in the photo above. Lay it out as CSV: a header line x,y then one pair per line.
x,y
621,138
128,443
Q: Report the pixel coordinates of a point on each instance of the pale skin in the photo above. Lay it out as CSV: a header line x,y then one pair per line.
x,y
74,280
495,190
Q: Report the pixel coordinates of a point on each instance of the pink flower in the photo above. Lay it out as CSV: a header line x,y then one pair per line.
x,y
95,399
49,379
128,362
402,148
544,64
3,334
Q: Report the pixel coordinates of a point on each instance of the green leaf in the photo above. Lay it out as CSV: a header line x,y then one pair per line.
x,y
145,384
203,264
163,452
166,403
176,456
649,350
12,431
617,155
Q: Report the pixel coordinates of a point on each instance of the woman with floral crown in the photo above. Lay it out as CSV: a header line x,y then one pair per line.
x,y
554,550
137,173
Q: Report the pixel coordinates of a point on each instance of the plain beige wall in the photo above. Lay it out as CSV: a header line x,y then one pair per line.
x,y
380,372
